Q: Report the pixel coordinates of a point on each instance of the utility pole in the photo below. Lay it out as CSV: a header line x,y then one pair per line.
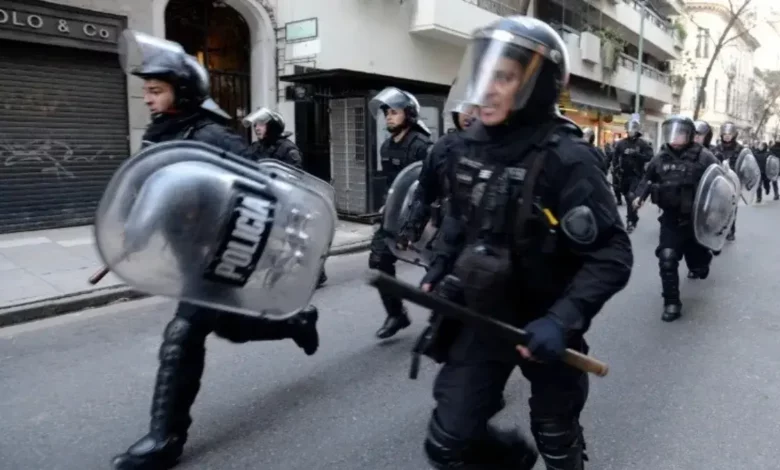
x,y
642,13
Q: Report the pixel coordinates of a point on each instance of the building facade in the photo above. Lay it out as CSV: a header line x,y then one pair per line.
x,y
603,37
70,116
732,84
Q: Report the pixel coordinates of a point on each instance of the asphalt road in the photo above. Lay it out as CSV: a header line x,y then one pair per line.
x,y
700,393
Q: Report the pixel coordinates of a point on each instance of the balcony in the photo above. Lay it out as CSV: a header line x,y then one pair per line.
x,y
453,21
670,7
660,40
585,56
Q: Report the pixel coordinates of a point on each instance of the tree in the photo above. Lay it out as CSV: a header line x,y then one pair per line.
x,y
768,104
736,15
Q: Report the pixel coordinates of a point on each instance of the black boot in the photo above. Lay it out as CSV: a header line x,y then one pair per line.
x,y
182,357
397,317
305,330
672,311
699,273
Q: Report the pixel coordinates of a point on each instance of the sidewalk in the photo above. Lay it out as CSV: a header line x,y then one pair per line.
x,y
44,273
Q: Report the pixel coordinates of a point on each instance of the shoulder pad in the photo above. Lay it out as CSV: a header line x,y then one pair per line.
x,y
572,149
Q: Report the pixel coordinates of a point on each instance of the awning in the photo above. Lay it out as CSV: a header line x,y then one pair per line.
x,y
594,101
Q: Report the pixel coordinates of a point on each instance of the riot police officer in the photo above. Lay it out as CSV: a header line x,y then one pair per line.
x,y
531,236
609,150
175,90
631,155
432,179
272,140
762,155
703,135
728,150
408,142
590,137
672,179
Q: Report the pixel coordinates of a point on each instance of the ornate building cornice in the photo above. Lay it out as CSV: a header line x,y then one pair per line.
x,y
725,13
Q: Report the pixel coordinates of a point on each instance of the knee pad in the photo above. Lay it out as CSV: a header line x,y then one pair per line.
x,y
668,259
560,442
498,450
443,450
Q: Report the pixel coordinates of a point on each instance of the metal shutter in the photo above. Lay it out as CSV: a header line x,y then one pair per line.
x,y
63,133
347,154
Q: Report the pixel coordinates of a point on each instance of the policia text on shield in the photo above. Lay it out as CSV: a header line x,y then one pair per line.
x,y
391,286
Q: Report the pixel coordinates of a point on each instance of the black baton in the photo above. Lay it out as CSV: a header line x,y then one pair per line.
x,y
402,290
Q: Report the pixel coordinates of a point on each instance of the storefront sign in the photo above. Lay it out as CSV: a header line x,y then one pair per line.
x,y
52,25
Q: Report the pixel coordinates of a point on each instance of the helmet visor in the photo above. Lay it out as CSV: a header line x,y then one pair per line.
x,y
261,116
498,73
137,49
728,132
676,133
633,128
392,98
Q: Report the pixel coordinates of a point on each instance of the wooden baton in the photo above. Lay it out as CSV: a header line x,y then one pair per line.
x,y
392,286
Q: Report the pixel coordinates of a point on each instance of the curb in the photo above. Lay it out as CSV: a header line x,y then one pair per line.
x,y
52,307
69,303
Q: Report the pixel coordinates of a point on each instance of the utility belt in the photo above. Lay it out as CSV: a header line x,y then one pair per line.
x,y
673,197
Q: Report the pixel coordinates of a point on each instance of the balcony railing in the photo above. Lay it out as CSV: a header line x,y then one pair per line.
x,y
651,72
493,6
655,19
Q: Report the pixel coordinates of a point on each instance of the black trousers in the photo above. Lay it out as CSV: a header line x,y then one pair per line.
x,y
766,183
628,188
382,259
677,241
469,392
616,188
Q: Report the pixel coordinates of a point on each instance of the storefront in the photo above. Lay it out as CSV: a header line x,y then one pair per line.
x,y
590,108
63,113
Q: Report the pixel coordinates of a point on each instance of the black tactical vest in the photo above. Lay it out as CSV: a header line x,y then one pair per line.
x,y
396,156
678,179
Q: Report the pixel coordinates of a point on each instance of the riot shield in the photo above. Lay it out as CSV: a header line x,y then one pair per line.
x,y
734,179
714,208
276,168
749,175
772,168
396,212
187,220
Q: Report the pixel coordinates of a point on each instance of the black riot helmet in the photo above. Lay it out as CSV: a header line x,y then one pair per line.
x,y
633,128
274,123
393,98
514,68
677,132
703,133
728,132
149,57
462,108
763,146
588,135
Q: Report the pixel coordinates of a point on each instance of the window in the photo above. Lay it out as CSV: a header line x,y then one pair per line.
x,y
729,91
698,91
715,96
702,43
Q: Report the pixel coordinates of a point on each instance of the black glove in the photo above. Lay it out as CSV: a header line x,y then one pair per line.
x,y
547,339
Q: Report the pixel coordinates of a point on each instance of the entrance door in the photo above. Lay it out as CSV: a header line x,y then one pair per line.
x,y
218,36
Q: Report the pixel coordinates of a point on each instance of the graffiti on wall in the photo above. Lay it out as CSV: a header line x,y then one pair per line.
x,y
55,157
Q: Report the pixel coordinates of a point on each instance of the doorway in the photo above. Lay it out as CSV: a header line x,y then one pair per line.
x,y
219,37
